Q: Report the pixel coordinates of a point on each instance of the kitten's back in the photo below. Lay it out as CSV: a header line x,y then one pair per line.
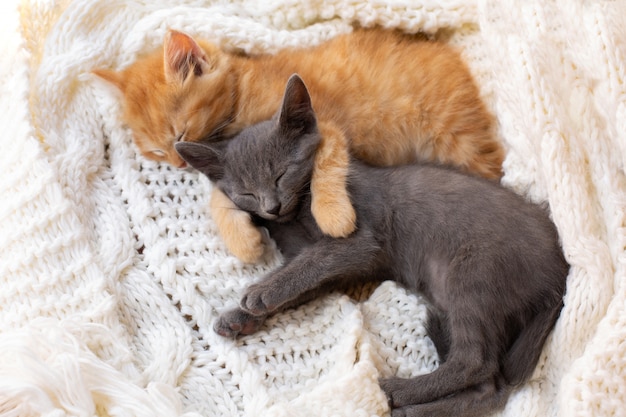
x,y
397,97
432,200
394,94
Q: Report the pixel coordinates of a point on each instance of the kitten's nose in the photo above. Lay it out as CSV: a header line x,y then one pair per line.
x,y
274,210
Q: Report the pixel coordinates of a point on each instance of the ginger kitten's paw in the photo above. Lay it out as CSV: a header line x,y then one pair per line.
x,y
235,322
246,242
243,239
335,217
330,204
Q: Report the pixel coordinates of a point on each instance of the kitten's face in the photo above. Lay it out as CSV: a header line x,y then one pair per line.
x,y
169,97
267,168
275,175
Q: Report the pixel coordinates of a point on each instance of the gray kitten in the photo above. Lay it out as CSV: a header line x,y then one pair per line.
x,y
489,262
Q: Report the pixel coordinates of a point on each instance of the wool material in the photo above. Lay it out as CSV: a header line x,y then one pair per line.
x,y
112,272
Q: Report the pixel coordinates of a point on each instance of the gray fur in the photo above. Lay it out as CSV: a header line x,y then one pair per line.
x,y
489,262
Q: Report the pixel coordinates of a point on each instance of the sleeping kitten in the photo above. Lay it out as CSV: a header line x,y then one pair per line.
x,y
371,84
489,262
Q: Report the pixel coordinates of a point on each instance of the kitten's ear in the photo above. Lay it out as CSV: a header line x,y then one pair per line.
x,y
297,112
112,77
182,55
203,157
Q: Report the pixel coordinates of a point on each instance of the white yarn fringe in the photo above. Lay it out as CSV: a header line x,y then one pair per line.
x,y
46,369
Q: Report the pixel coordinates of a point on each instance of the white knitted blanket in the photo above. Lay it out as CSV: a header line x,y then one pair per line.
x,y
111,271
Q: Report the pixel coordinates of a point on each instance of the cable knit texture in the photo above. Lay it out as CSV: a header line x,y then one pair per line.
x,y
112,272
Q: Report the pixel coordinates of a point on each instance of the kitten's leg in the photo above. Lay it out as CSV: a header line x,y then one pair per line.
x,y
475,153
241,236
456,374
237,321
325,262
330,203
438,332
475,322
475,401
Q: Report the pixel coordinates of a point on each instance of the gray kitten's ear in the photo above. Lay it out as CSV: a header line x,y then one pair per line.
x,y
205,158
296,113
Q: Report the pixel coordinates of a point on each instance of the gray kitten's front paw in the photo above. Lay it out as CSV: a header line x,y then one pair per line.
x,y
260,299
234,322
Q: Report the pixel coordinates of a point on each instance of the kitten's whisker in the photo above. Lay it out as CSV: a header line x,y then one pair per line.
x,y
305,189
229,208
216,132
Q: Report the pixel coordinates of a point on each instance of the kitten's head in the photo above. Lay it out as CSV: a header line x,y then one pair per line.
x,y
181,93
267,168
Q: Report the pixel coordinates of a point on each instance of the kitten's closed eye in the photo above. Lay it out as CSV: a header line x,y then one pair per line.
x,y
279,178
158,153
245,201
181,137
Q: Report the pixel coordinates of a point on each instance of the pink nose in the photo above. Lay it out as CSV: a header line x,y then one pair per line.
x,y
182,165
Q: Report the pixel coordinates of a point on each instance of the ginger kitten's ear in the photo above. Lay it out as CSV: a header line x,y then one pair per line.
x,y
112,77
182,55
205,158
296,112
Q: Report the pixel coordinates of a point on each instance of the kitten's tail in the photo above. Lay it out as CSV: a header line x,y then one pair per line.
x,y
521,359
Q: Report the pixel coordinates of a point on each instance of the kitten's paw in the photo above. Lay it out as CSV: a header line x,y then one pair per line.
x,y
246,243
243,239
336,217
330,202
234,322
260,299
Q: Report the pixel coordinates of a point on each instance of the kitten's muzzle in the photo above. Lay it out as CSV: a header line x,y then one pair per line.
x,y
275,210
270,207
276,215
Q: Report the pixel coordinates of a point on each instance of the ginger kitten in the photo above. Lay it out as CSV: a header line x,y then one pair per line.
x,y
370,84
